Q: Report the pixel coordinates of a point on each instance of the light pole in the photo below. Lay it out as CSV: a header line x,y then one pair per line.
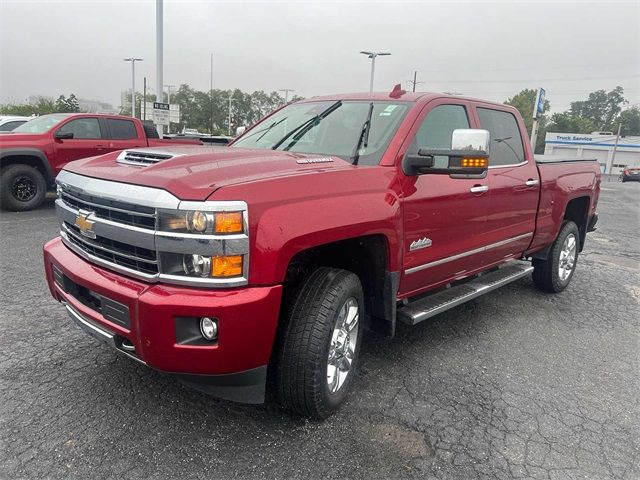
x,y
229,126
133,83
211,93
286,94
372,56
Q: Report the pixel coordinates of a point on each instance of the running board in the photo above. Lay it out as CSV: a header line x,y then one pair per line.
x,y
436,303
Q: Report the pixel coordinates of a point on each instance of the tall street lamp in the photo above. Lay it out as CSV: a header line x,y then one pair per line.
x,y
133,83
372,56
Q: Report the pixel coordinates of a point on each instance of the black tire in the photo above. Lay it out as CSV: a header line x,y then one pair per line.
x,y
22,187
303,355
546,274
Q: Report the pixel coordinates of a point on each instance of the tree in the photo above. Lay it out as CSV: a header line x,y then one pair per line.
x,y
600,107
67,105
566,122
524,102
630,121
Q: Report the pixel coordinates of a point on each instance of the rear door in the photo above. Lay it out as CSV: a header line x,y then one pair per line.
x,y
89,139
514,186
444,218
123,134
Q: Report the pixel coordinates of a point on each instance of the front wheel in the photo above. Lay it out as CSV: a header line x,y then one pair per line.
x,y
23,187
554,273
321,340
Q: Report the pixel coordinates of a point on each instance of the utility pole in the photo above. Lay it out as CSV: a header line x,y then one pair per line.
x,y
159,57
286,94
169,87
613,153
538,110
414,82
372,56
133,83
144,100
229,125
211,94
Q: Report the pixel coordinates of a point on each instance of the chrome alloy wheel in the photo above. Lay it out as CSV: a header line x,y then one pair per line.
x,y
567,257
343,344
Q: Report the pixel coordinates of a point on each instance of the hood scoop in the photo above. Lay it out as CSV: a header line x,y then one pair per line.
x,y
141,158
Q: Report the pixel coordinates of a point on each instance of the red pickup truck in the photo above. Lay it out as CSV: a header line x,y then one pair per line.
x,y
268,258
34,153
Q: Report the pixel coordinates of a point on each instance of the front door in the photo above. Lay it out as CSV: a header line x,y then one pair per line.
x,y
87,140
444,217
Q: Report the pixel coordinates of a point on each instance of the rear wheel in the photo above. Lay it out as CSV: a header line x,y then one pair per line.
x,y
321,341
22,188
554,273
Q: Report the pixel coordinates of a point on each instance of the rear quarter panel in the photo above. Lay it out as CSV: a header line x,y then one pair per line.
x,y
562,182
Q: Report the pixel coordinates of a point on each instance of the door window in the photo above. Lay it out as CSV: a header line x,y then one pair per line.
x,y
506,142
436,130
7,127
122,129
82,128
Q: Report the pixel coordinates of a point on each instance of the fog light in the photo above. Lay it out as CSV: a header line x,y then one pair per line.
x,y
208,328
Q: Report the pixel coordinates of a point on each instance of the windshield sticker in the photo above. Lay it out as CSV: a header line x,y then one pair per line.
x,y
388,110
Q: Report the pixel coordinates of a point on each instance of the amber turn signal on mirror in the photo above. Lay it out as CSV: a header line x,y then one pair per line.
x,y
474,162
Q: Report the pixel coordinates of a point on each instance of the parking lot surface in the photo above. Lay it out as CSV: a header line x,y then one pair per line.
x,y
516,384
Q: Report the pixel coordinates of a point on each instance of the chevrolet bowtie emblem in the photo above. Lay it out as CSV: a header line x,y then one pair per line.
x,y
84,224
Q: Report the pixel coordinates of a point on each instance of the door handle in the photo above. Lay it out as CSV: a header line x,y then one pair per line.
x,y
531,182
100,147
479,189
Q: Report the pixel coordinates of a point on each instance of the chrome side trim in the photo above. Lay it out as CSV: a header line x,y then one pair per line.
x,y
507,166
453,258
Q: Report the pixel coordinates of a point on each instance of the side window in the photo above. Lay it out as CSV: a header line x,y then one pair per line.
x,y
122,129
87,128
436,130
7,127
506,142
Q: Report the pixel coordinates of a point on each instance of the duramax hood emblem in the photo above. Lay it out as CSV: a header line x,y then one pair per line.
x,y
84,224
421,243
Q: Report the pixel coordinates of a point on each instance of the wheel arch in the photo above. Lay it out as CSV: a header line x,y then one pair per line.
x,y
368,257
28,156
577,211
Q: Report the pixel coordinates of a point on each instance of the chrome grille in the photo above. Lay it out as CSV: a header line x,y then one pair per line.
x,y
141,158
129,256
119,212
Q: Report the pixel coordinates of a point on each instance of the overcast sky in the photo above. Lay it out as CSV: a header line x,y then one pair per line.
x,y
488,50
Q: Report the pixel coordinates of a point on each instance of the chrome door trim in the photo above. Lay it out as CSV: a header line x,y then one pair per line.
x,y
452,258
491,167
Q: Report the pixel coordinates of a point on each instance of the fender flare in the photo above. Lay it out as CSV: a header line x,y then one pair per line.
x,y
30,152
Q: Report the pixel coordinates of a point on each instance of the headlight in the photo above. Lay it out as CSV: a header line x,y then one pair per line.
x,y
196,265
196,221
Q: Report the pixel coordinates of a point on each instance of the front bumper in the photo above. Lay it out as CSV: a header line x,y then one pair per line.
x,y
233,367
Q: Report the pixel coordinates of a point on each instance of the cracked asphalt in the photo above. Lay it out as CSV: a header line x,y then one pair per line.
x,y
516,384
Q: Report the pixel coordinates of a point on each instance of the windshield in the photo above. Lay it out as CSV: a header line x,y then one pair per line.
x,y
328,128
41,124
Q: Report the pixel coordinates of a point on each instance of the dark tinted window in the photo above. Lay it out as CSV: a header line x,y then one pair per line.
x,y
436,130
7,127
82,128
122,129
506,143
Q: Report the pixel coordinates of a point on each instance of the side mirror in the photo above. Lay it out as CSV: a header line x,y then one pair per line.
x,y
469,155
64,135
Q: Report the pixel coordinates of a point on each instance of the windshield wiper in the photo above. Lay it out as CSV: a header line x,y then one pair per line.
x,y
265,130
303,128
363,140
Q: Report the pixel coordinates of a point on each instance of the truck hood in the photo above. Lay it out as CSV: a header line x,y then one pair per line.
x,y
195,172
10,139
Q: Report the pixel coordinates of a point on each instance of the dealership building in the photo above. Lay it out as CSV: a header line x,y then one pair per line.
x,y
598,145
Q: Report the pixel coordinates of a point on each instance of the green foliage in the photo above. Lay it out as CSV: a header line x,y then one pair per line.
x,y
630,121
600,107
42,106
524,102
67,105
566,122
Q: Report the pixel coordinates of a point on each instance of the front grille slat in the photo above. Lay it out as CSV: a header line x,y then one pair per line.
x,y
118,212
118,253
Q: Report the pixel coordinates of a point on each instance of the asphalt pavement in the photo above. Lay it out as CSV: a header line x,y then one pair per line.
x,y
516,384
